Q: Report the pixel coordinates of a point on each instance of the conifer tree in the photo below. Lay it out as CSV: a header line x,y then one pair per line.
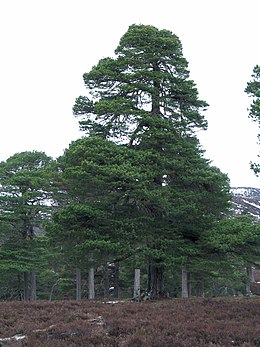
x,y
253,90
25,199
143,101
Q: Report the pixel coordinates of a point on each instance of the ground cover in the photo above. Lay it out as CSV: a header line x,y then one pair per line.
x,y
211,322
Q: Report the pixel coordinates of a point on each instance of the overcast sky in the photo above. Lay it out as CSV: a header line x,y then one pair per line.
x,y
47,45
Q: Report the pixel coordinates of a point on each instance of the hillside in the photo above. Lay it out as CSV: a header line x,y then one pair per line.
x,y
246,200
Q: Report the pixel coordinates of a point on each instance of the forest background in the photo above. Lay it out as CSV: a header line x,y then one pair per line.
x,y
133,206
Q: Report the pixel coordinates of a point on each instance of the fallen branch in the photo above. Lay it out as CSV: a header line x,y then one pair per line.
x,y
14,339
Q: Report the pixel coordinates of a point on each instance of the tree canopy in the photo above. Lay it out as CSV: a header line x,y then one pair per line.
x,y
137,189
145,86
253,90
25,198
144,102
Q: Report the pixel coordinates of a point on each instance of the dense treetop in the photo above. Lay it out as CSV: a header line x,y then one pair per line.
x,y
146,85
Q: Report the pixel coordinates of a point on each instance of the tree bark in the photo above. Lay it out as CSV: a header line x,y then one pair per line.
x,y
105,281
137,290
200,289
249,272
78,284
185,284
33,285
116,274
20,291
26,285
91,284
155,286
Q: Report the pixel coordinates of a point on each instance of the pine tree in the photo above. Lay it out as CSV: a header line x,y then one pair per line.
x,y
253,90
143,101
25,199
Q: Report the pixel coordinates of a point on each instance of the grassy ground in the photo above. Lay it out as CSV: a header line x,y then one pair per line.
x,y
220,322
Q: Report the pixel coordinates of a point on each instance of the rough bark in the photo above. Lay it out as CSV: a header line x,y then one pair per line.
x,y
200,289
116,291
185,284
249,272
20,291
33,286
105,281
78,284
155,286
26,285
137,290
91,285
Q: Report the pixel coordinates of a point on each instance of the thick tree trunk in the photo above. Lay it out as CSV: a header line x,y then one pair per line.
x,y
137,290
185,293
91,284
78,284
26,285
33,285
155,286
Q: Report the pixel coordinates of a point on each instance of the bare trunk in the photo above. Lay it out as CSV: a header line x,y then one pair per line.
x,y
249,272
53,287
78,284
91,284
185,284
20,291
155,285
200,289
116,292
26,285
105,281
33,285
137,290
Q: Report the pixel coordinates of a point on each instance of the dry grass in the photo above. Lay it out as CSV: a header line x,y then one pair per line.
x,y
176,323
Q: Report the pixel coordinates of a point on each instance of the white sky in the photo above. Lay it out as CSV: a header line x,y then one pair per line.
x,y
47,45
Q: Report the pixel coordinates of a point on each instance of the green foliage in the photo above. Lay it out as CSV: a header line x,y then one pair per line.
x,y
142,161
238,238
146,82
253,90
25,198
137,190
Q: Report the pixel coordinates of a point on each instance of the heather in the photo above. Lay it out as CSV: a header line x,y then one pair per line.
x,y
214,322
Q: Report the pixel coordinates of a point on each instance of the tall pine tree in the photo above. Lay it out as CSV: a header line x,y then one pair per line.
x,y
144,101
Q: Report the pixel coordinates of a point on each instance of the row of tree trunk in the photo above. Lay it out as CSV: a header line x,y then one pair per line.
x,y
155,287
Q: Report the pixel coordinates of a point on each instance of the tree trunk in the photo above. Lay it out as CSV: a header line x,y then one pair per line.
x,y
91,284
33,285
185,284
155,287
78,284
137,290
20,291
200,289
26,285
105,281
116,274
249,272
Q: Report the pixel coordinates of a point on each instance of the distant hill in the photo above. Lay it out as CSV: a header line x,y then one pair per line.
x,y
246,200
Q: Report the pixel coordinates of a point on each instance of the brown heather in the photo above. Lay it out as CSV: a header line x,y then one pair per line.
x,y
171,323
